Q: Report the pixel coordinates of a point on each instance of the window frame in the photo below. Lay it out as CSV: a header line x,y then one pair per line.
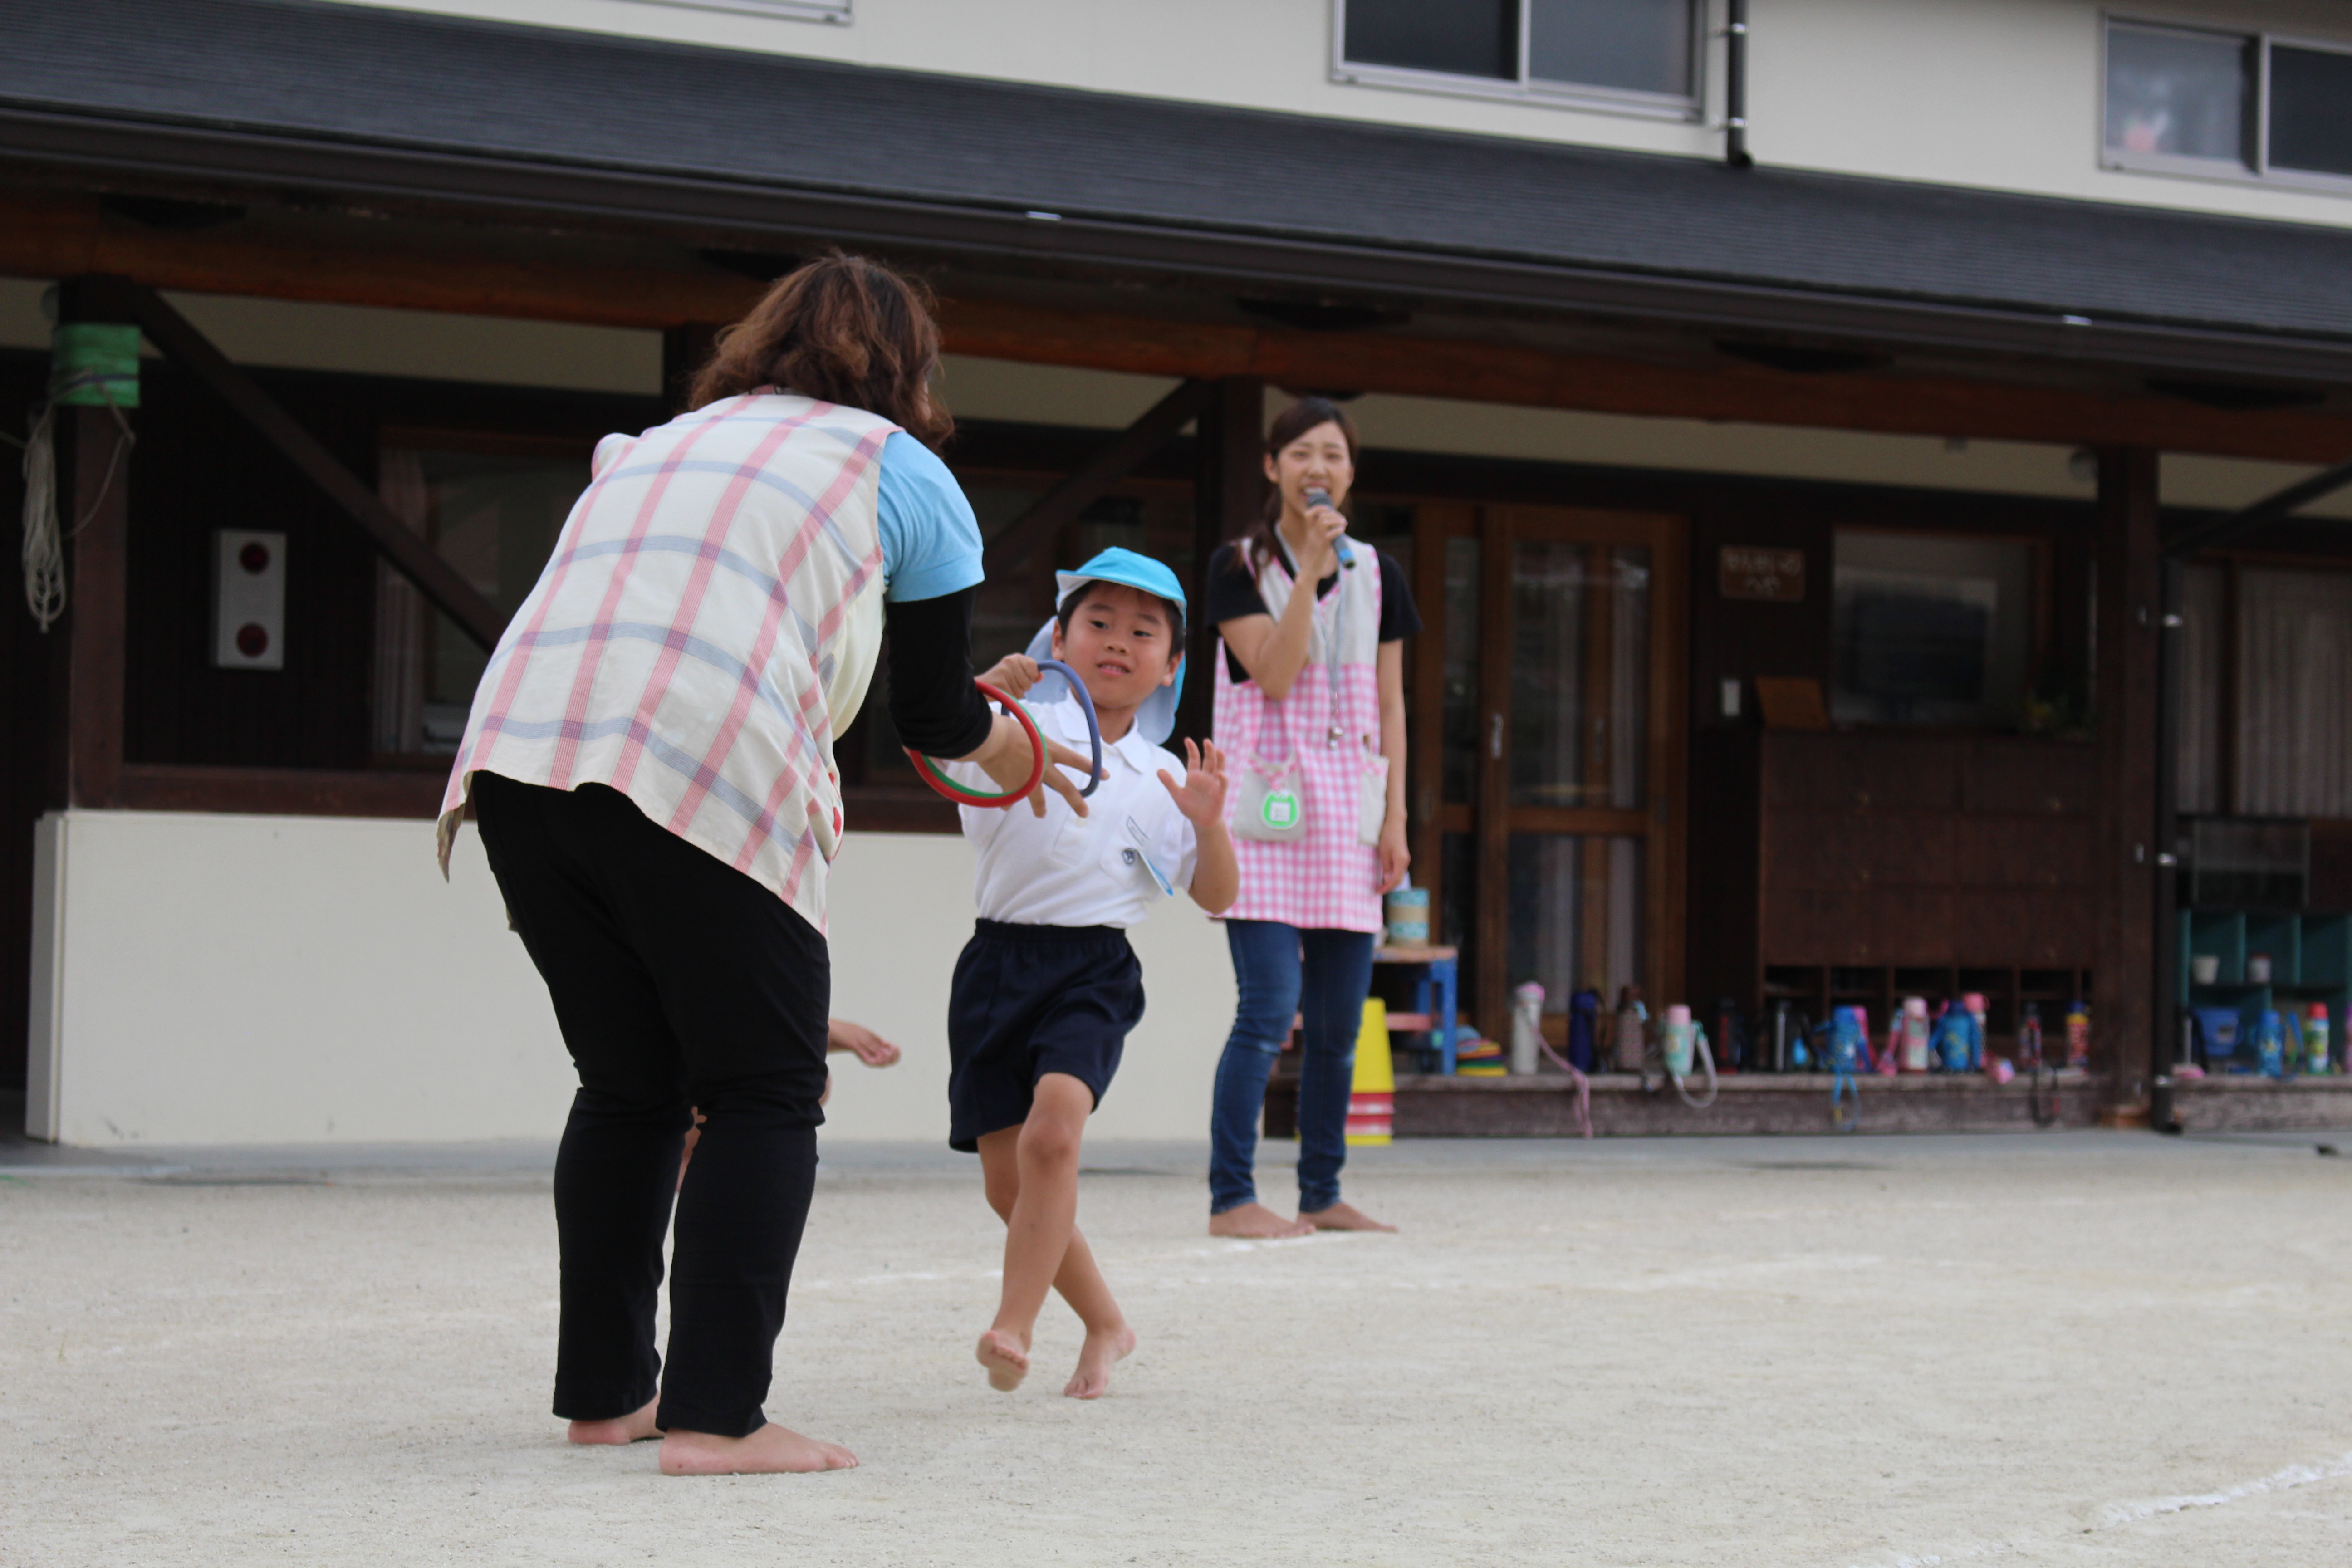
x,y
2256,169
836,12
1689,108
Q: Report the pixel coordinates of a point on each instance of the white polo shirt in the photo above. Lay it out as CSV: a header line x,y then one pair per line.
x,y
1064,869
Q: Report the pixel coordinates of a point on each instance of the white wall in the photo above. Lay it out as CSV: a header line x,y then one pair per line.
x,y
225,979
2002,94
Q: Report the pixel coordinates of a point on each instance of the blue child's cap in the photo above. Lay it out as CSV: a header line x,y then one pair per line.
x,y
1156,719
1116,565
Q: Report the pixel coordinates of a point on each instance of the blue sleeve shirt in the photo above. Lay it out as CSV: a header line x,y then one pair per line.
x,y
931,540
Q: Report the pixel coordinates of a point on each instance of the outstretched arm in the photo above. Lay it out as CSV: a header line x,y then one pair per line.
x,y
1216,874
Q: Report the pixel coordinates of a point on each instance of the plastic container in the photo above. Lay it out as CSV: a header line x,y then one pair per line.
x,y
2258,969
2204,969
1527,1028
2315,1039
2270,1046
1406,911
2221,1026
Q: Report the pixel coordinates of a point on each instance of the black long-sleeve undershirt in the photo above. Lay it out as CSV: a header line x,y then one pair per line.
x,y
933,702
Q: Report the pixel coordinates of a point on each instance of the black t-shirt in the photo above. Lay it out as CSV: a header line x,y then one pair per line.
x,y
1233,593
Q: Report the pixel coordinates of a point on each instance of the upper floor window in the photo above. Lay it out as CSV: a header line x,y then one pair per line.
x,y
798,10
2198,102
1637,55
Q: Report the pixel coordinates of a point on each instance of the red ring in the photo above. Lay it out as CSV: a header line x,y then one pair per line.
x,y
963,797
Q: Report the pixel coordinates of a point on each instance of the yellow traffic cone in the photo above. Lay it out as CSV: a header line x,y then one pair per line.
x,y
1372,1100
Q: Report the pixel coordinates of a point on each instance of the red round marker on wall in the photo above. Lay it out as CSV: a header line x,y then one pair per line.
x,y
253,558
252,640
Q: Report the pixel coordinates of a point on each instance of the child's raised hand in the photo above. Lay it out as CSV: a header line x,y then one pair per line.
x,y
1202,796
841,1035
1013,675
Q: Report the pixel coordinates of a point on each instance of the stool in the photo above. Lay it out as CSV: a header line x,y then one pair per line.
x,y
1433,996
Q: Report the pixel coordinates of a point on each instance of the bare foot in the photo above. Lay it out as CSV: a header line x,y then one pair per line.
x,y
772,1450
634,1427
1005,1357
1096,1358
1257,1222
1341,1217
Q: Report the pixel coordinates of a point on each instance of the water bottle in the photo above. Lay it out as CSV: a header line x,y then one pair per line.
x,y
2028,1036
1527,1028
1972,1016
2315,1039
2270,1046
1915,1034
2078,1034
1680,1040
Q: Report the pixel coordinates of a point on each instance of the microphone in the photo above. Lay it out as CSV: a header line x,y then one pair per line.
x,y
1318,496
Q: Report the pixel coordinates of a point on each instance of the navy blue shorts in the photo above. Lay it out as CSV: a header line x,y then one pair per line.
x,y
1027,1001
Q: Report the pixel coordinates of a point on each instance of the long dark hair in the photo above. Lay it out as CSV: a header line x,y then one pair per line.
x,y
843,329
1259,545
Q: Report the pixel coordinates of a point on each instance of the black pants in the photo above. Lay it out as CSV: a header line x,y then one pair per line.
x,y
679,982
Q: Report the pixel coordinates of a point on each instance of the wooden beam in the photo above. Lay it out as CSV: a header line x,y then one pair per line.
x,y
441,584
448,268
2123,1020
1482,372
321,258
1118,459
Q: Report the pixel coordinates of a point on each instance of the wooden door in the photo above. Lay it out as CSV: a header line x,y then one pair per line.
x,y
1549,750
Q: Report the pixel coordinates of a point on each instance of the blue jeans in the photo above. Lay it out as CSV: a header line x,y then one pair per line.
x,y
1329,987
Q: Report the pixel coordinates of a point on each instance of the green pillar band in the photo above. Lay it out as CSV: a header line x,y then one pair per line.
x,y
94,365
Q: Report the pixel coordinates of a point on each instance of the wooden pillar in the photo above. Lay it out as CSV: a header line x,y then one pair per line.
x,y
684,350
2123,1019
94,511
1489,983
1228,491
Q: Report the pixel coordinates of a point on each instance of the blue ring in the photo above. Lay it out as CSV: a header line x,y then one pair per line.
x,y
1086,705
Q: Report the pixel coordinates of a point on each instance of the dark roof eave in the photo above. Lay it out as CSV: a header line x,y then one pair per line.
x,y
149,148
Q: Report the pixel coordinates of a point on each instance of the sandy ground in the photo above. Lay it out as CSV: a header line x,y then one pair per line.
x,y
2076,1349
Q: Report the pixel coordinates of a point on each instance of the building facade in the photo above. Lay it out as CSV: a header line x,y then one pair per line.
x,y
1814,429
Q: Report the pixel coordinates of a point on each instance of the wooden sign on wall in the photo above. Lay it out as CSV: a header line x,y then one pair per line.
x,y
1754,571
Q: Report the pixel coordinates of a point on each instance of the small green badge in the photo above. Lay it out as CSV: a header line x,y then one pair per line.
x,y
1280,810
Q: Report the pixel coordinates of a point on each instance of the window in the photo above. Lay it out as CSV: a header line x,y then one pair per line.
x,y
2240,105
799,10
492,507
1636,55
2266,691
1931,630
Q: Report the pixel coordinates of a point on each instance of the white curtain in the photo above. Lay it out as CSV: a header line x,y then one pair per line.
x,y
2204,596
2294,693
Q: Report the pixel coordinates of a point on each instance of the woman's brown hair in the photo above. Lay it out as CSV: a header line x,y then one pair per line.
x,y
842,330
1259,546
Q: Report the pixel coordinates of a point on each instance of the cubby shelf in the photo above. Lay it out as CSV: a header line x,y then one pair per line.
x,y
2311,961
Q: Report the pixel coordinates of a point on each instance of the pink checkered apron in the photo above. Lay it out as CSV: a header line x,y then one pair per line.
x,y
706,624
1326,881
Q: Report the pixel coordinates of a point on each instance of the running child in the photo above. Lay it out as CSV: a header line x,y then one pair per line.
x,y
1047,988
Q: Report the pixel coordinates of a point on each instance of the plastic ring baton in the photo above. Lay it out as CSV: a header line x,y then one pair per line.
x,y
1086,706
931,774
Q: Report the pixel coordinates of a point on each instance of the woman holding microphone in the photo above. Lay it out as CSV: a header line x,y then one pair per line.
x,y
1310,705
650,754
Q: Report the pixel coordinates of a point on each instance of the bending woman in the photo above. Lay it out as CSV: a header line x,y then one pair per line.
x,y
650,753
1316,680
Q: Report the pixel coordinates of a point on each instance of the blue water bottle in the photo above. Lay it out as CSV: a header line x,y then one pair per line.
x,y
2270,1046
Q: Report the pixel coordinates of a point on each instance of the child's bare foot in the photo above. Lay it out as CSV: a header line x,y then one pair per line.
x,y
1341,1217
1006,1359
772,1450
1257,1222
1096,1358
634,1428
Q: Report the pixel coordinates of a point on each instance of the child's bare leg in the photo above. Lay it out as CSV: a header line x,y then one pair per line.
x,y
1033,1182
1079,1280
